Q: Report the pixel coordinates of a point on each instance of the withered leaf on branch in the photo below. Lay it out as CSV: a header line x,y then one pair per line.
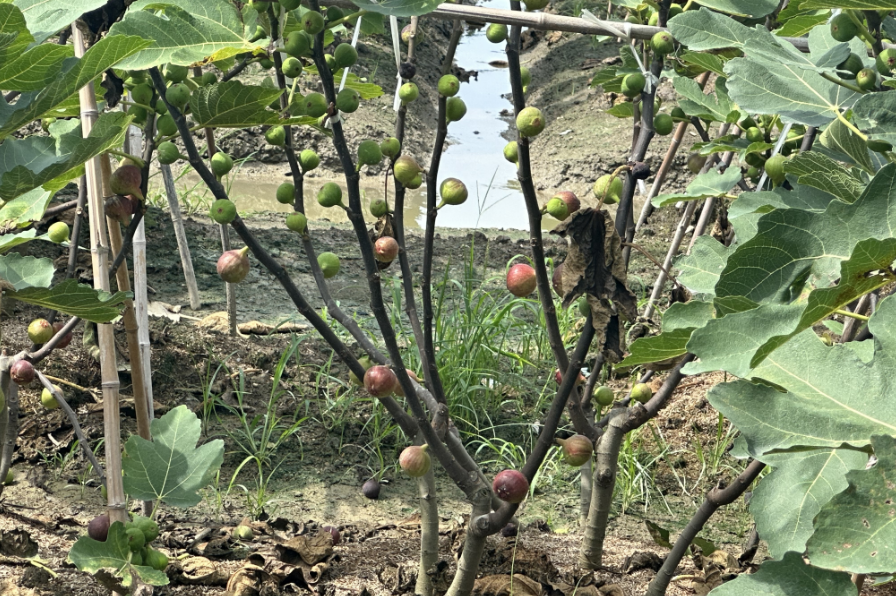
x,y
594,267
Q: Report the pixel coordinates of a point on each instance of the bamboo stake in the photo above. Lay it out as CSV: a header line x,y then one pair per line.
x,y
129,317
141,294
99,252
180,233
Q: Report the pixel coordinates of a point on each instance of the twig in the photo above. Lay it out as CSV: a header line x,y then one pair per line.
x,y
653,260
237,69
61,208
127,240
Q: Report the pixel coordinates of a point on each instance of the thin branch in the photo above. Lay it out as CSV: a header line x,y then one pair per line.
x,y
237,69
127,241
61,208
47,348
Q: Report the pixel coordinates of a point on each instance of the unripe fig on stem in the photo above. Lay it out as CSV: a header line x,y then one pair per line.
x,y
405,169
40,331
455,109
604,395
408,93
379,208
577,449
521,280
449,85
570,199
223,211
329,195
406,35
296,222
233,265
642,393
345,55
366,363
510,486
126,180
380,381
329,264
453,192
168,153
511,152
275,135
557,209
48,400
530,122
496,33
369,153
309,160
391,147
58,232
385,249
608,188
415,461
221,164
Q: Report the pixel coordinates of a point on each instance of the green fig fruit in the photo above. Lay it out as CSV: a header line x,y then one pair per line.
x,y
496,33
774,167
530,122
315,105
296,222
663,124
142,93
843,28
633,85
313,22
641,393
166,126
58,232
608,185
329,195
175,73
557,209
662,43
223,211
391,147
604,395
449,85
379,208
275,135
455,109
866,79
369,153
345,55
511,152
168,153
178,95
292,67
329,264
40,331
405,169
221,164
286,193
408,93
755,135
453,192
308,160
298,43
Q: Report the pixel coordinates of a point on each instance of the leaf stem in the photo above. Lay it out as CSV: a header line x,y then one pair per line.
x,y
842,83
863,33
853,315
137,160
346,18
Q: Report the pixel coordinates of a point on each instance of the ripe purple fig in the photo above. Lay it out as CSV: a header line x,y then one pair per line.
x,y
22,372
521,280
559,378
572,201
57,327
577,449
415,460
333,531
233,265
510,486
380,381
398,390
98,528
126,180
385,249
371,489
120,208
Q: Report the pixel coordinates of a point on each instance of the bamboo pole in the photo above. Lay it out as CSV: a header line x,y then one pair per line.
x,y
128,316
141,294
180,233
99,252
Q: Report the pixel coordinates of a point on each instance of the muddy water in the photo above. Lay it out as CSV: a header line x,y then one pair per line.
x,y
474,156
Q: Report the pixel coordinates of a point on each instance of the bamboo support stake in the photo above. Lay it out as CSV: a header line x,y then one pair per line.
x,y
99,252
180,234
141,286
128,315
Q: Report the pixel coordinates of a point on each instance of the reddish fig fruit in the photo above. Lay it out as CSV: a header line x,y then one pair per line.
x,y
415,461
510,486
577,449
371,489
572,201
98,528
521,280
385,249
233,265
559,378
333,531
126,180
380,381
120,208
22,372
57,327
398,390
557,280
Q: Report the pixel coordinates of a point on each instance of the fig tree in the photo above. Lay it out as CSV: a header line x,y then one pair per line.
x,y
315,105
449,85
168,153
379,208
275,135
142,93
286,193
221,164
329,264
405,169
453,192
40,331
371,489
22,372
348,100
345,55
843,28
48,400
292,67
296,222
557,209
521,280
496,33
530,122
510,486
604,395
126,180
662,43
175,73
608,188
385,249
663,124
233,265
166,126
642,393
774,167
633,85
223,211
866,79
313,22
577,449
511,152
298,43
380,381
415,461
455,109
369,153
58,232
178,95
390,147
98,528
570,199
329,195
309,160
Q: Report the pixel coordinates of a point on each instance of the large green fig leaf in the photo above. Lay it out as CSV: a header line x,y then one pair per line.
x,y
47,17
26,271
399,8
186,31
234,105
835,396
75,299
708,184
700,270
701,30
875,114
26,164
91,555
74,75
801,197
818,171
788,577
856,530
787,500
679,321
743,8
25,208
171,468
852,4
716,106
840,138
21,68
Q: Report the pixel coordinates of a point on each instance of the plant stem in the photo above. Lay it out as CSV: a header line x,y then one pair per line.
x,y
7,435
853,315
237,69
842,83
429,532
715,498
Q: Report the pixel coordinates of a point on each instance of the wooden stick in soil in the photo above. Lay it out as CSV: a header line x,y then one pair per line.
x,y
105,335
715,498
73,419
183,246
7,435
129,317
